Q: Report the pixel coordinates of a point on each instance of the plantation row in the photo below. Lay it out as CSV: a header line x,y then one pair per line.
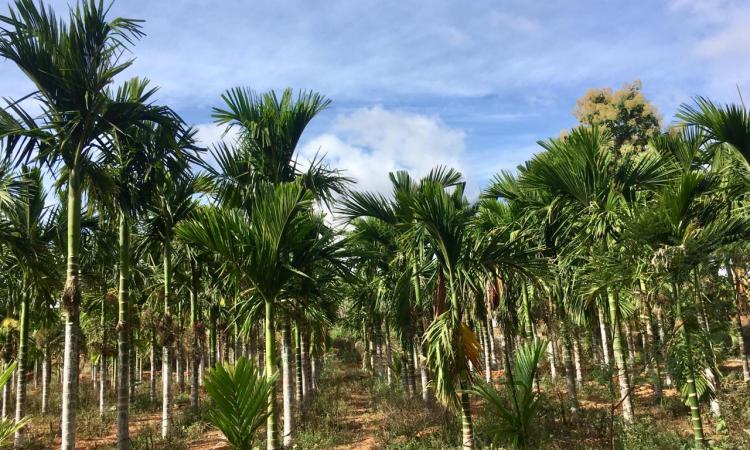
x,y
615,256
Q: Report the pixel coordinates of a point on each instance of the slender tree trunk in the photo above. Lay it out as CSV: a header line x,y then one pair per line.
x,y
631,346
567,349
306,366
166,382
123,347
6,394
195,344
23,343
551,358
377,353
287,385
491,337
653,354
577,359
102,384
487,356
299,392
404,374
528,325
212,337
695,412
619,354
270,360
36,373
603,333
179,363
152,368
388,354
742,341
662,345
467,428
317,365
71,300
372,363
46,372
411,370
166,370
131,365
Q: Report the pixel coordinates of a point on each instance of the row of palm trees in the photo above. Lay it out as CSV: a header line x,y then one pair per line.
x,y
131,208
586,246
579,235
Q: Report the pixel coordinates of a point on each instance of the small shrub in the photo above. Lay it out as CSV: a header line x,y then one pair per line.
x,y
645,434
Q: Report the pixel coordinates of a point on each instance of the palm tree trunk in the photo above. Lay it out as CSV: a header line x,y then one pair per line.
x,y
166,372
487,357
619,353
123,326
577,360
46,372
6,394
317,366
567,349
491,337
195,344
270,362
528,327
102,355
603,333
152,368
631,346
131,365
742,341
467,428
71,300
212,337
653,355
404,374
102,383
411,370
287,385
662,344
179,366
299,392
166,382
306,366
23,343
388,355
377,353
551,358
695,412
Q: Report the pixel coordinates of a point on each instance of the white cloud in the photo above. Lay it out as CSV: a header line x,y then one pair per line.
x,y
370,142
723,42
208,134
731,38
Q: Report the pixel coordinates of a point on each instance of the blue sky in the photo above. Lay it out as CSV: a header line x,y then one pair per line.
x,y
472,84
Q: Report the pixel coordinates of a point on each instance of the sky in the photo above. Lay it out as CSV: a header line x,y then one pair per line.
x,y
414,84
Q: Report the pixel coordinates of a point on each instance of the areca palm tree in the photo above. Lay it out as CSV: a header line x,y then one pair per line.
x,y
270,128
684,226
70,63
726,126
261,248
173,203
31,225
138,158
594,190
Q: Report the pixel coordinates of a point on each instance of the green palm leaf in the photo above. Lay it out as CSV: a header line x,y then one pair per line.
x,y
241,398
